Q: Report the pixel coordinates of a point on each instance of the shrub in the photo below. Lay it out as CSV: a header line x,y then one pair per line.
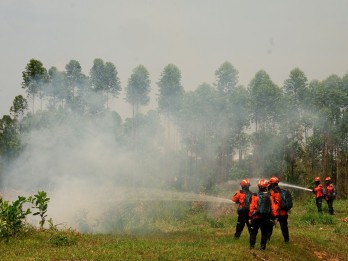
x,y
12,217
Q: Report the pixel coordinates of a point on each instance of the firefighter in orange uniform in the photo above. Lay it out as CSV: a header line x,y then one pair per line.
x,y
318,190
329,194
262,213
282,215
243,199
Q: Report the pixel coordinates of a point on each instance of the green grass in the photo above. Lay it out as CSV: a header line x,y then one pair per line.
x,y
192,234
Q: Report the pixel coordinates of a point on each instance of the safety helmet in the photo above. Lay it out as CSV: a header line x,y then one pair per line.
x,y
273,180
262,183
316,179
328,179
245,183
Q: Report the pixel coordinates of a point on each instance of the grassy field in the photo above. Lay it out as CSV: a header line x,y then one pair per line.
x,y
200,233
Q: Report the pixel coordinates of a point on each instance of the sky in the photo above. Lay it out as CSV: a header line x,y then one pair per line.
x,y
198,36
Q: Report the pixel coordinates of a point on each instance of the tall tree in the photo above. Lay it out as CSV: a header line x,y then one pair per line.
x,y
138,88
57,86
19,106
330,99
296,87
34,78
266,100
112,82
266,111
77,86
104,80
10,143
227,77
171,90
74,76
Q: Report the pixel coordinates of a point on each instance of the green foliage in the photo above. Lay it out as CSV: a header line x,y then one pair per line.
x,y
138,88
10,140
317,219
63,239
237,173
170,90
197,236
214,223
40,202
12,217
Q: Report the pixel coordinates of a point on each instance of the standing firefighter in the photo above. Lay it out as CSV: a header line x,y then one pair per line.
x,y
243,199
329,194
318,190
261,214
283,203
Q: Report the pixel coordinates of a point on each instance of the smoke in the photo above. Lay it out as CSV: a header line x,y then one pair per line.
x,y
83,164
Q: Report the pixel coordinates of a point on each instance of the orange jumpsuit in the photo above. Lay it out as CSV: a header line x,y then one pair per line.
x,y
243,212
330,195
318,190
264,222
282,214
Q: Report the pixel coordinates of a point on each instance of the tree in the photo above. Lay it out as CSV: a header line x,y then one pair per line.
x,y
57,86
227,78
170,90
266,111
329,99
104,80
296,87
76,86
74,77
9,137
266,100
34,78
138,88
20,105
112,82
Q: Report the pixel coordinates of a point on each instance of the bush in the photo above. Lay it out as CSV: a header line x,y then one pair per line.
x,y
12,217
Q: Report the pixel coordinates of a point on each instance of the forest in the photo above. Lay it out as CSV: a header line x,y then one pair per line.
x,y
194,140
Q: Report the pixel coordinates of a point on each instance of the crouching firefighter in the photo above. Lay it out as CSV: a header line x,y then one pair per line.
x,y
262,214
243,199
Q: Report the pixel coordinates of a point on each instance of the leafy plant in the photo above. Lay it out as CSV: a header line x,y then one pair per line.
x,y
63,240
12,217
40,202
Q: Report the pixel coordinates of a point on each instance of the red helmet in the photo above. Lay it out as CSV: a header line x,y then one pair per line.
x,y
328,179
245,183
273,180
262,183
317,179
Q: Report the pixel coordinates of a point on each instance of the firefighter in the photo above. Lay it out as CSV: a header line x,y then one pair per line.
x,y
262,214
282,214
318,190
329,194
243,199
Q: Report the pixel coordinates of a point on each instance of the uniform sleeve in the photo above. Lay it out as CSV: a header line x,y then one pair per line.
x,y
235,197
253,205
274,206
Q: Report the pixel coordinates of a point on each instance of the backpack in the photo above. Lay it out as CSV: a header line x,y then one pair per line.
x,y
285,200
247,201
264,203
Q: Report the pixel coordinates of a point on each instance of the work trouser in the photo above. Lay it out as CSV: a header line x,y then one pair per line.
x,y
283,222
264,224
329,201
319,203
243,219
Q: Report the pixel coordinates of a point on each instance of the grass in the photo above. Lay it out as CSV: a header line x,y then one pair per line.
x,y
195,234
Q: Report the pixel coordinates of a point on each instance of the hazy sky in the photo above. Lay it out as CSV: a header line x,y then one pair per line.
x,y
195,35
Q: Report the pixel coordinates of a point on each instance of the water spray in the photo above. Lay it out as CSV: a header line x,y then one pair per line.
x,y
294,186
